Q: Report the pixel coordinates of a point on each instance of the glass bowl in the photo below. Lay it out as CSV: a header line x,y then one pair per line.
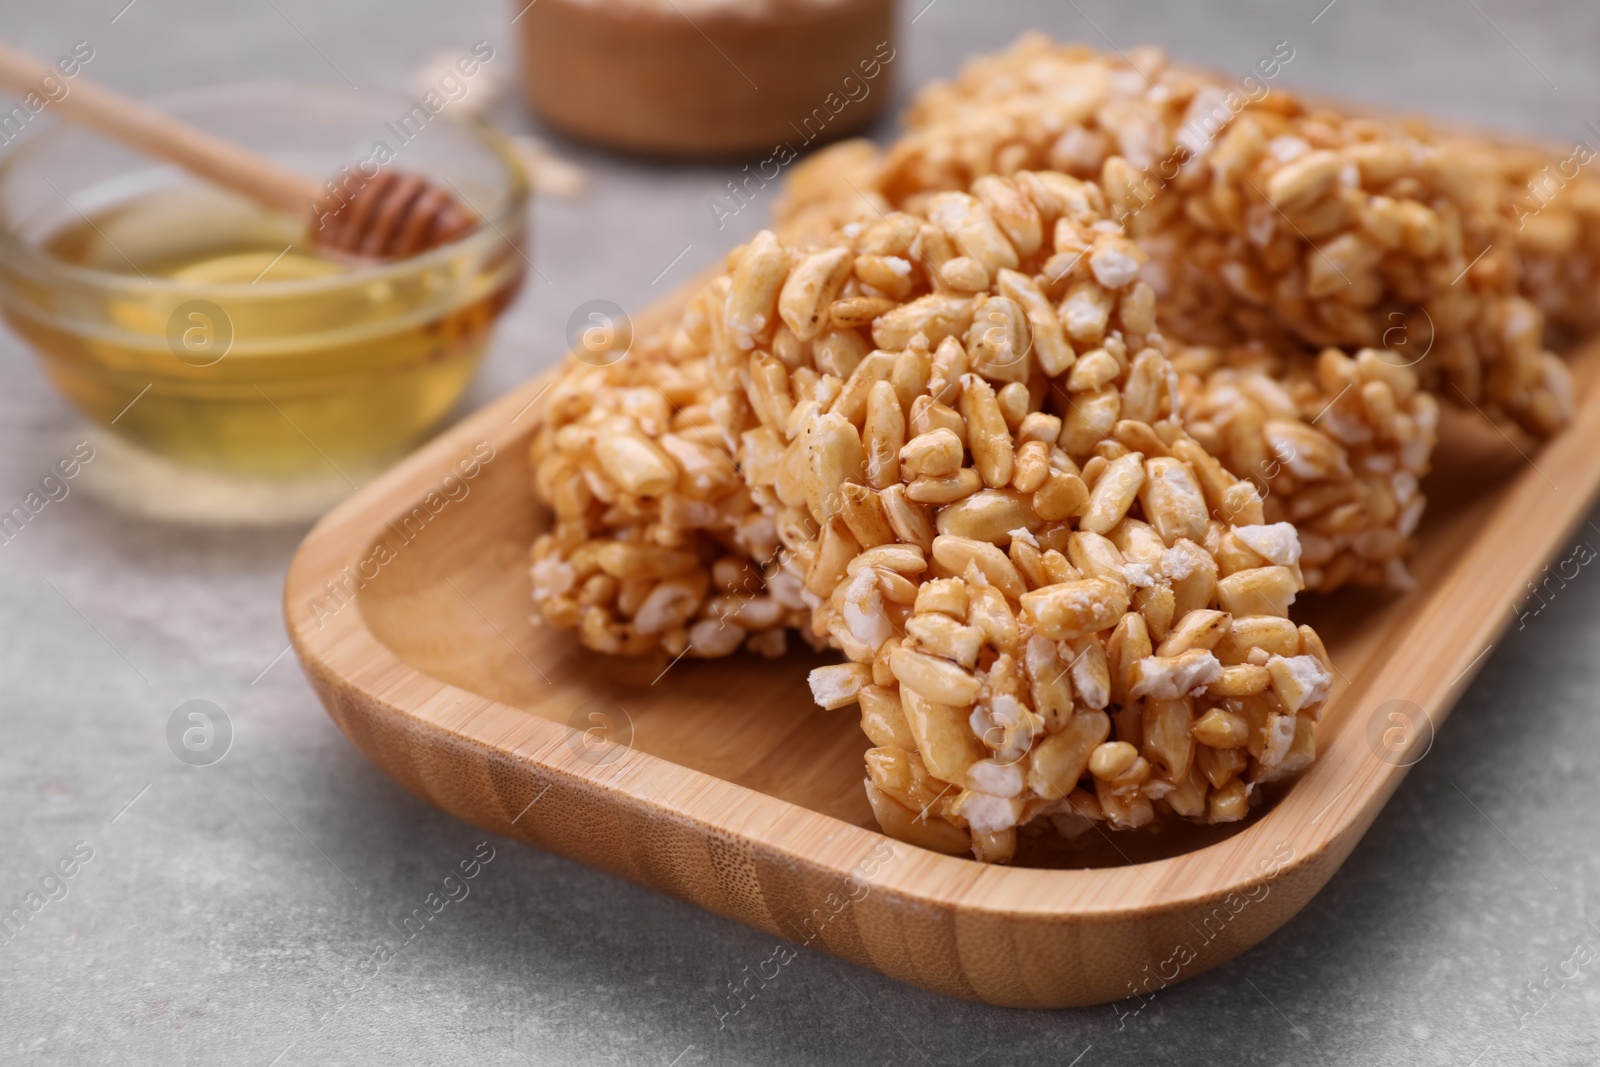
x,y
302,365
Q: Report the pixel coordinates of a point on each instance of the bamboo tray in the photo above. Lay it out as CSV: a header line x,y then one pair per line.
x,y
720,784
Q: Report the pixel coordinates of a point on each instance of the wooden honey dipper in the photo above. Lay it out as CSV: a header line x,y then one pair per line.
x,y
389,216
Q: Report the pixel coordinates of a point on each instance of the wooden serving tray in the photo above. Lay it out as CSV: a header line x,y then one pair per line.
x,y
721,784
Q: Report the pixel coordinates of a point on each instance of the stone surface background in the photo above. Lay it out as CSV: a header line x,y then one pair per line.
x,y
224,909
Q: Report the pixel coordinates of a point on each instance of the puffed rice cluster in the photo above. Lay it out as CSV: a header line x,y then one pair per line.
x,y
1265,219
1270,223
945,442
1554,205
1336,451
1337,446
657,541
936,422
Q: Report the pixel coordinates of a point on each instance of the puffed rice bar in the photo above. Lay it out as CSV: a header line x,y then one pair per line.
x,y
1075,334
1266,221
1057,607
1337,448
1554,204
657,543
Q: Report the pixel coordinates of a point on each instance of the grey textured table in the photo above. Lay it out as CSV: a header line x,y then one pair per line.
x,y
227,911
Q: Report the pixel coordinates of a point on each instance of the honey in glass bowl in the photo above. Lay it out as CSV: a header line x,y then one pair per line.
x,y
209,331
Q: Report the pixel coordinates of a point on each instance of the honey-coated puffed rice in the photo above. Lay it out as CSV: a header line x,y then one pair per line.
x,y
1553,199
1337,446
1265,219
1345,451
655,530
950,435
